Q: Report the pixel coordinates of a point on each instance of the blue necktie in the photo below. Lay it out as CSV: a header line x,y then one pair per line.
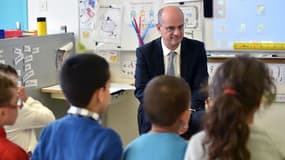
x,y
170,67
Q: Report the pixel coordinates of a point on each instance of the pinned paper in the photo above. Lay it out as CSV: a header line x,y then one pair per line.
x,y
212,67
28,75
31,83
19,72
28,67
18,59
19,55
36,50
28,58
278,72
128,68
27,48
17,51
111,56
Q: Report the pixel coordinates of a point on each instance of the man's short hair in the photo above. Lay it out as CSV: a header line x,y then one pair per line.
x,y
81,75
165,99
161,10
6,84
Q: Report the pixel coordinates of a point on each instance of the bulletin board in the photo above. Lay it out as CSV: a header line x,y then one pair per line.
x,y
254,23
107,24
34,58
111,23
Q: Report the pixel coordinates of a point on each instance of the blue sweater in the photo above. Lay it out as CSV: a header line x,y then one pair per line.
x,y
156,146
75,137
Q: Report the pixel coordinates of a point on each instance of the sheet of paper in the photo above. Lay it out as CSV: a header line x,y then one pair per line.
x,y
120,86
109,24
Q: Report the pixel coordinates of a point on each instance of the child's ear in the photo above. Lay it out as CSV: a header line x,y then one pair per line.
x,y
184,121
2,112
97,97
185,116
101,94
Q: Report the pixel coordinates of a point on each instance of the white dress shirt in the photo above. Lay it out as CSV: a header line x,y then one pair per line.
x,y
31,116
176,60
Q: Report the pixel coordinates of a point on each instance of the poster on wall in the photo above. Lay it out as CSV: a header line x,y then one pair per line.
x,y
111,56
141,17
87,22
87,13
143,11
109,24
191,17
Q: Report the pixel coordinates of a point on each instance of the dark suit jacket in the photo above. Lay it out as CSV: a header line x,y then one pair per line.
x,y
193,68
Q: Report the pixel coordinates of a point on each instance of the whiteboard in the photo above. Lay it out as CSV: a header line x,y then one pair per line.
x,y
244,21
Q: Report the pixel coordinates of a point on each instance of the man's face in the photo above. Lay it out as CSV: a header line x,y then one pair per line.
x,y
171,29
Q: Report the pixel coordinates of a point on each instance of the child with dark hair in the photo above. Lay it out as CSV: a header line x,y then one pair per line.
x,y
8,115
32,115
238,89
85,82
166,103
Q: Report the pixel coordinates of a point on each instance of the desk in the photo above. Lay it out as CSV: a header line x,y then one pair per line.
x,y
56,91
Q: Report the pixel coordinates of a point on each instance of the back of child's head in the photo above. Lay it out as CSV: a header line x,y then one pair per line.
x,y
6,86
165,99
81,75
7,69
238,88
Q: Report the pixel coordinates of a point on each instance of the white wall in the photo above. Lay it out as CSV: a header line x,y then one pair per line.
x,y
57,13
66,12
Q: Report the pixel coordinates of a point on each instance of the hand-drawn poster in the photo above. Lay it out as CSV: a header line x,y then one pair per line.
x,y
191,17
87,13
127,69
87,22
145,13
109,24
111,56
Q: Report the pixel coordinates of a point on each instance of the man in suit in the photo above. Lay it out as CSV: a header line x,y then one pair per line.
x,y
189,62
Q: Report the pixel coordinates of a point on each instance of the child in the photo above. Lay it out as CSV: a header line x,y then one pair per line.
x,y
166,102
238,88
85,82
32,115
8,115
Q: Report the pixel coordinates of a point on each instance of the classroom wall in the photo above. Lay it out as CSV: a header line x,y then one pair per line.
x,y
57,13
122,112
13,11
